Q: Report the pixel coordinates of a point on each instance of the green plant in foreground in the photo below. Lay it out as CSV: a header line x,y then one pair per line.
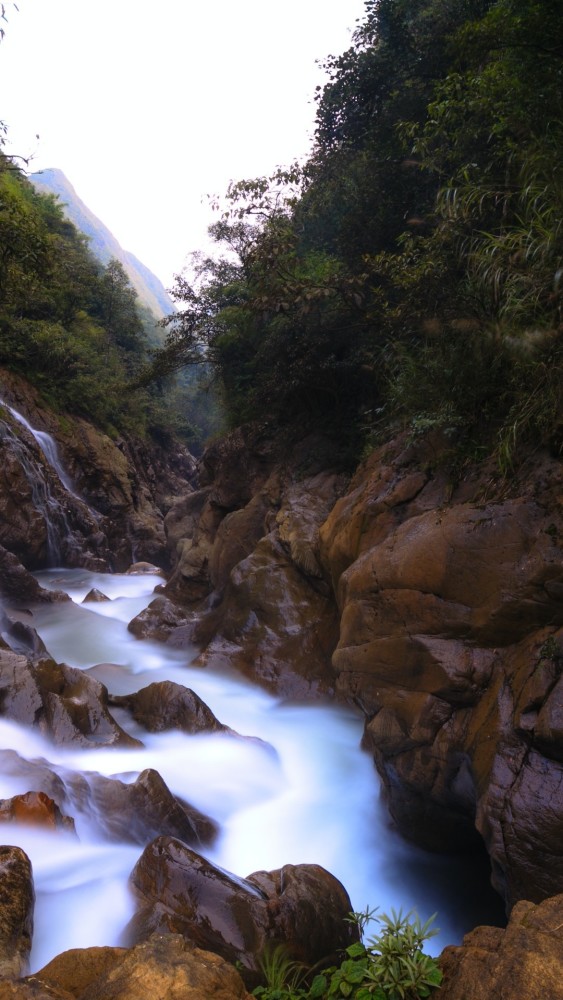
x,y
389,966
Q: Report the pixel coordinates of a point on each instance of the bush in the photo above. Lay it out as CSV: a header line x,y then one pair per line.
x,y
391,965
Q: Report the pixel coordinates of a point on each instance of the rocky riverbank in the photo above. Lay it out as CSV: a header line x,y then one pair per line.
x,y
434,606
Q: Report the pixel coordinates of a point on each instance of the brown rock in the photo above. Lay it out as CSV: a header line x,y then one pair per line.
x,y
138,812
95,596
160,620
167,968
75,708
166,705
301,906
523,962
34,809
17,899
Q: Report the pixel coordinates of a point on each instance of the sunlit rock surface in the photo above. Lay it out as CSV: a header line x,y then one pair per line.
x,y
523,962
167,967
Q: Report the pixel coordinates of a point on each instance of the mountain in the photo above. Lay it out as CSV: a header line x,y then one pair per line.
x,y
103,243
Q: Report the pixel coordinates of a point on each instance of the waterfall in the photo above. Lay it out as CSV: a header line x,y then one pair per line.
x,y
48,446
68,519
44,501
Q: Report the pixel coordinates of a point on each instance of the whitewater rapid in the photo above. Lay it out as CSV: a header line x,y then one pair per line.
x,y
307,793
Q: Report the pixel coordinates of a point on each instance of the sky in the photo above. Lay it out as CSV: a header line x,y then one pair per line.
x,y
149,107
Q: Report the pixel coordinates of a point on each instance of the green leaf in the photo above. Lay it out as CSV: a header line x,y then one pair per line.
x,y
356,950
318,987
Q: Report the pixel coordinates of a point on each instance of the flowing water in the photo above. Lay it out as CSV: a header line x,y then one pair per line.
x,y
308,794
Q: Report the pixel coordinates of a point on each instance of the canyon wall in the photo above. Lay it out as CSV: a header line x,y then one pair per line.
x,y
435,607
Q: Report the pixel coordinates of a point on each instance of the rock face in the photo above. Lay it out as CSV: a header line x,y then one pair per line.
x,y
523,962
17,900
80,498
301,906
62,701
34,809
449,641
436,610
247,562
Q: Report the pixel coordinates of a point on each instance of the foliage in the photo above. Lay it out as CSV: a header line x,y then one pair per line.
x,y
72,326
411,269
391,965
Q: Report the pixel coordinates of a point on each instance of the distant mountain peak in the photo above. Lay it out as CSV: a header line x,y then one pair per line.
x,y
103,243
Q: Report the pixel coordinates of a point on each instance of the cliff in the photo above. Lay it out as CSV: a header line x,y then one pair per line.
x,y
72,495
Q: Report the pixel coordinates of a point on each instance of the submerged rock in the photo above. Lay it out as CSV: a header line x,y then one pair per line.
x,y
17,900
95,596
300,906
133,812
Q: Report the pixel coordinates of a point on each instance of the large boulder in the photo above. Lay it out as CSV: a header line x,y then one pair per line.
x,y
17,900
164,967
523,962
302,907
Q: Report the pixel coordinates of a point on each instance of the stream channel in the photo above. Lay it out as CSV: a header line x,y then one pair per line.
x,y
308,795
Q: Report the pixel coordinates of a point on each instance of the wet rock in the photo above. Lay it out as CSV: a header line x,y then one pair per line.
x,y
35,809
160,620
95,596
139,811
62,701
17,899
523,962
165,705
75,707
133,812
446,606
17,584
164,967
272,624
301,906
144,569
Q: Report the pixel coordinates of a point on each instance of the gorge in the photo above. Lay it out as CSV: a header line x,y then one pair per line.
x,y
260,568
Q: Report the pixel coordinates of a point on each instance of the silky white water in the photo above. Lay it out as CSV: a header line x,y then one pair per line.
x,y
306,794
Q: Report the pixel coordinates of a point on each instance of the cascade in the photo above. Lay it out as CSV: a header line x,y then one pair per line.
x,y
65,514
43,497
48,446
302,792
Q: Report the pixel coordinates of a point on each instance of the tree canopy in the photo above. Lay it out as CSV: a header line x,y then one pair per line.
x,y
410,270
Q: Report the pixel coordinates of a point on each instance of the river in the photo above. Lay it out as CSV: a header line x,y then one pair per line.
x,y
308,794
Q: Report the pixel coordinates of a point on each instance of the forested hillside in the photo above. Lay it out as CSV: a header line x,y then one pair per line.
x,y
409,272
75,328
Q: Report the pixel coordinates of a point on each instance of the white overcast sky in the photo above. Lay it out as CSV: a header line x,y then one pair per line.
x,y
149,106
